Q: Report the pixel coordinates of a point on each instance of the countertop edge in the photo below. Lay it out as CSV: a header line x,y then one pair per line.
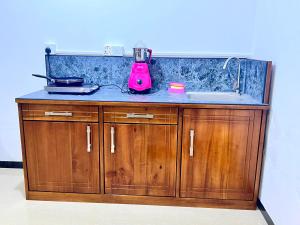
x,y
161,104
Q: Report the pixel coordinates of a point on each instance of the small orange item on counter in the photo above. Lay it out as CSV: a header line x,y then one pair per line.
x,y
175,87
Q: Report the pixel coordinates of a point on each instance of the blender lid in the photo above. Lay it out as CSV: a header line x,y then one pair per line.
x,y
140,44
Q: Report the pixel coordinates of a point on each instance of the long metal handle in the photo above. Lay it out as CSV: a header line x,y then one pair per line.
x,y
88,138
42,76
58,114
112,142
192,134
141,116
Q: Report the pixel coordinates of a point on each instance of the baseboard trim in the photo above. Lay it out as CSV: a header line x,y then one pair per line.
x,y
11,164
264,213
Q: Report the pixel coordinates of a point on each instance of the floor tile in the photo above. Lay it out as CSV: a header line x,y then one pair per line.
x,y
15,210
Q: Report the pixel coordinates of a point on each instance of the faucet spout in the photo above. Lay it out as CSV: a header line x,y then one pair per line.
x,y
236,86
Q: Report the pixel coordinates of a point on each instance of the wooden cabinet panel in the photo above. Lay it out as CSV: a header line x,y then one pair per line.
x,y
58,159
60,112
222,161
149,115
221,170
144,159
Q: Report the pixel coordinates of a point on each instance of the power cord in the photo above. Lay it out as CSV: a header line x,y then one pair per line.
x,y
48,52
121,88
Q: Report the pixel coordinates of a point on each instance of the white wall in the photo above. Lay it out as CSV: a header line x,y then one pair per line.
x,y
166,26
171,25
192,26
278,38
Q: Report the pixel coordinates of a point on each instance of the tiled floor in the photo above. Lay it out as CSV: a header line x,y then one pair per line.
x,y
15,210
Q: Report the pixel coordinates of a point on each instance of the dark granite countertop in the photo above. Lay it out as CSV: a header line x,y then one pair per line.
x,y
108,94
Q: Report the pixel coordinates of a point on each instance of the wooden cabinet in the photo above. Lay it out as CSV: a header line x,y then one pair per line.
x,y
142,115
140,157
165,155
59,157
219,153
44,112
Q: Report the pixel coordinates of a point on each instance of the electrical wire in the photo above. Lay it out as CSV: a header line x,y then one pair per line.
x,y
121,88
48,63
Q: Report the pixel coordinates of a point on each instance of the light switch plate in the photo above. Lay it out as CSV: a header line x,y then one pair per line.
x,y
113,50
108,50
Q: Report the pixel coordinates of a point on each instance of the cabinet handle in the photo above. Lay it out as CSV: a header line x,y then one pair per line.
x,y
88,138
58,114
112,143
140,116
192,134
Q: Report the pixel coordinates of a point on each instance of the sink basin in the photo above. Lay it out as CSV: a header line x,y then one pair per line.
x,y
214,96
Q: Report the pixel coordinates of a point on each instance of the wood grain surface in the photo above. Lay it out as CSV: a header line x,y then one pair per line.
x,y
79,113
144,162
57,156
160,115
224,145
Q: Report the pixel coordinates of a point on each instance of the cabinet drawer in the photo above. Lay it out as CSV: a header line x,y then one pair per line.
x,y
220,114
150,115
60,112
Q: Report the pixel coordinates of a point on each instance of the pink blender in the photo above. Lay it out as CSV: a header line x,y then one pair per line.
x,y
140,80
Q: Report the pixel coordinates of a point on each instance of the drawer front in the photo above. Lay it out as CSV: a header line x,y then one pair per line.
x,y
219,114
150,115
60,113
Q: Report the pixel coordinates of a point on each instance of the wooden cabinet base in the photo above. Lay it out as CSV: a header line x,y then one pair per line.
x,y
141,200
205,157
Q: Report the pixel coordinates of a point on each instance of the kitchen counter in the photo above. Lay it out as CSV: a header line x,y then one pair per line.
x,y
114,95
144,147
148,149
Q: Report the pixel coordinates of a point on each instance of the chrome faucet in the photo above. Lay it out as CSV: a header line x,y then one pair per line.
x,y
236,86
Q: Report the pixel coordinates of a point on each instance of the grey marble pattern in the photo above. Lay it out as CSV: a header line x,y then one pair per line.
x,y
198,74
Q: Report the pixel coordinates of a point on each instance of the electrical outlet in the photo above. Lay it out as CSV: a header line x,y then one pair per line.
x,y
52,46
114,50
108,50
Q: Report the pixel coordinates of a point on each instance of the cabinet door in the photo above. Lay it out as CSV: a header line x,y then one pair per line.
x,y
58,158
140,159
219,153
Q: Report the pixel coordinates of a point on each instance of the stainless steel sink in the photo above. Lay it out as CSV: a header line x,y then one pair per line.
x,y
214,96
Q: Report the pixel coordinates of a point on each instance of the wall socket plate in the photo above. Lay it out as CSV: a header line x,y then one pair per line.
x,y
52,46
113,50
107,50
